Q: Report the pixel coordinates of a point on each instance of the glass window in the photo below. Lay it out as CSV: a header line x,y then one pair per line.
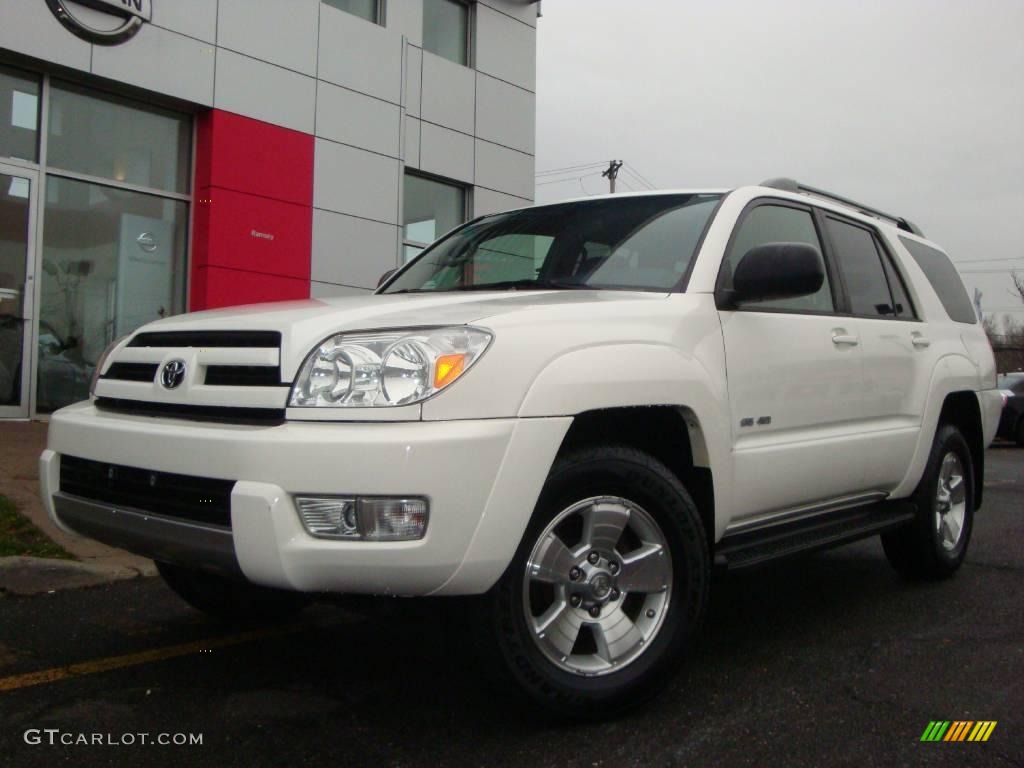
x,y
862,269
432,209
778,224
101,135
632,243
14,239
364,9
904,309
112,260
19,115
446,29
945,280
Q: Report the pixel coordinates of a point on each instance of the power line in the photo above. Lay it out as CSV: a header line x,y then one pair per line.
x,y
635,172
571,178
568,168
992,271
642,184
981,261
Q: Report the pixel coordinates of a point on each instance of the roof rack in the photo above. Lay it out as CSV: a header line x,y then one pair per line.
x,y
790,185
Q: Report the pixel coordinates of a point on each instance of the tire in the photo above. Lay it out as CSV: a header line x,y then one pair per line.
x,y
626,499
230,599
927,548
1020,432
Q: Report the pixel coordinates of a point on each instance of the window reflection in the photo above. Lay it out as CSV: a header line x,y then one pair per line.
x,y
19,114
101,135
112,261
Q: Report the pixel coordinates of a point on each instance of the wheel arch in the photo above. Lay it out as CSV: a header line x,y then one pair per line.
x,y
953,396
643,392
672,434
961,409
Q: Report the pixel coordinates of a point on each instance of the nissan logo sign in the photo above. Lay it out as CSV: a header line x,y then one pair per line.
x,y
172,374
126,16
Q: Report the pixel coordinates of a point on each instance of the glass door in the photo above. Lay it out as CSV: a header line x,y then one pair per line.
x,y
17,289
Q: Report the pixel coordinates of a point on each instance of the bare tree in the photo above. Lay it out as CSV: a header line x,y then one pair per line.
x,y
1007,339
1018,284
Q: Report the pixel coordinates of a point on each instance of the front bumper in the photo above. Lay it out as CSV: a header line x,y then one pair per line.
x,y
482,479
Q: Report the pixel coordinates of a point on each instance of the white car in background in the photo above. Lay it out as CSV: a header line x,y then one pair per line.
x,y
572,410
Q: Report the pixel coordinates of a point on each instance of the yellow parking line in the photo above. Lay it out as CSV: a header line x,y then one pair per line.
x,y
96,666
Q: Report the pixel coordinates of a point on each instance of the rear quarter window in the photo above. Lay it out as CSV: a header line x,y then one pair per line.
x,y
945,280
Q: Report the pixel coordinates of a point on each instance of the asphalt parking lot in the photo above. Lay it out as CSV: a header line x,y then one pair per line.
x,y
825,660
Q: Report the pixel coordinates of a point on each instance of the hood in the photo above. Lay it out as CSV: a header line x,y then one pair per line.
x,y
305,323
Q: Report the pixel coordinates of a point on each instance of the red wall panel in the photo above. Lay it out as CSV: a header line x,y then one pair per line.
x,y
256,233
252,156
220,287
253,217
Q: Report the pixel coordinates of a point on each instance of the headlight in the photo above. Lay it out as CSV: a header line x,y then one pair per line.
x,y
101,362
386,368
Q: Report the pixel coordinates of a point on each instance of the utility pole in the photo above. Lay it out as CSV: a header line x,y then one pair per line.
x,y
612,173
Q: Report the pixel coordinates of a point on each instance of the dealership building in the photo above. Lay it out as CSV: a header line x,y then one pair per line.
x,y
162,156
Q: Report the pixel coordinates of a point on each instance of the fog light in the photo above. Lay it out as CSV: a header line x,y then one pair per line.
x,y
363,518
329,517
393,519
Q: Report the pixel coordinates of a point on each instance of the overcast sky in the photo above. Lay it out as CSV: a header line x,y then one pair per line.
x,y
914,106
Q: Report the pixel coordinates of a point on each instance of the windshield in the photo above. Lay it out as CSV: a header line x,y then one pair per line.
x,y
629,243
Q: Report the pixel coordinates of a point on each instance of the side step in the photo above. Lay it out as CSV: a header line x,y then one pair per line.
x,y
762,545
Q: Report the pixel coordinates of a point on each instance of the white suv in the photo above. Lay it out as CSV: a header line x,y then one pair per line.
x,y
572,410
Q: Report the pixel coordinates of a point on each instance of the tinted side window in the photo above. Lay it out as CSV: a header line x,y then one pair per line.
x,y
945,280
862,269
904,309
778,224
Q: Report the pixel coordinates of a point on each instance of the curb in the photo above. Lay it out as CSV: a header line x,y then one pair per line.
x,y
37,575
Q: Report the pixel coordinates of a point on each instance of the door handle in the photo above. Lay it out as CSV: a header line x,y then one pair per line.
x,y
918,340
839,338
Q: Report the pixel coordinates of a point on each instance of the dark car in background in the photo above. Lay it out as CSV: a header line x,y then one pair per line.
x,y
1011,424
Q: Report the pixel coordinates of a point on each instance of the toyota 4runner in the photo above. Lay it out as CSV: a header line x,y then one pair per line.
x,y
573,411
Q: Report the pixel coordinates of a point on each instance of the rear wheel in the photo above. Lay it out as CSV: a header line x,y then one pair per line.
x,y
1020,432
225,598
609,582
935,544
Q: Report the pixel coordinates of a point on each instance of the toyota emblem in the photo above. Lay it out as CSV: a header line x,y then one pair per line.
x,y
172,374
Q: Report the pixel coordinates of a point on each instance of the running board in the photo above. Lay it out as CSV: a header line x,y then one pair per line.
x,y
757,547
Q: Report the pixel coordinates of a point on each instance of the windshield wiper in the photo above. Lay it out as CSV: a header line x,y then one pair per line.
x,y
515,285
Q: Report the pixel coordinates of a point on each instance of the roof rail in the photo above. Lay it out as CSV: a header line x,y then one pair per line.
x,y
790,185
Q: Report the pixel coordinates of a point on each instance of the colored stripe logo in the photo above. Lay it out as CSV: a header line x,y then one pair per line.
x,y
958,730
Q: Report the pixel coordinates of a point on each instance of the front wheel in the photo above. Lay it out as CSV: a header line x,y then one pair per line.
x,y
609,582
934,545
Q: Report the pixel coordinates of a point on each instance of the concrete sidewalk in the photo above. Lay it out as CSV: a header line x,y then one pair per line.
x,y
21,442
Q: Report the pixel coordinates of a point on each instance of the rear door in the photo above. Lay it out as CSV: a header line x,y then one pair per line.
x,y
794,378
897,356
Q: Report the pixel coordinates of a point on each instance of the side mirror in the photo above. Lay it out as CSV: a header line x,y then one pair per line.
x,y
385,276
777,271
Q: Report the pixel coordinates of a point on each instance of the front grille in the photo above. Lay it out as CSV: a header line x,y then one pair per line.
x,y
244,376
249,362
131,371
185,497
264,417
207,339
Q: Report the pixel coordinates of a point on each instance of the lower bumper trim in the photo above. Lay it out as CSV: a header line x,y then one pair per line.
x,y
153,536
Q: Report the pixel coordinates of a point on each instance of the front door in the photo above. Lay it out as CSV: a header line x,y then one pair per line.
x,y
795,382
17,288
